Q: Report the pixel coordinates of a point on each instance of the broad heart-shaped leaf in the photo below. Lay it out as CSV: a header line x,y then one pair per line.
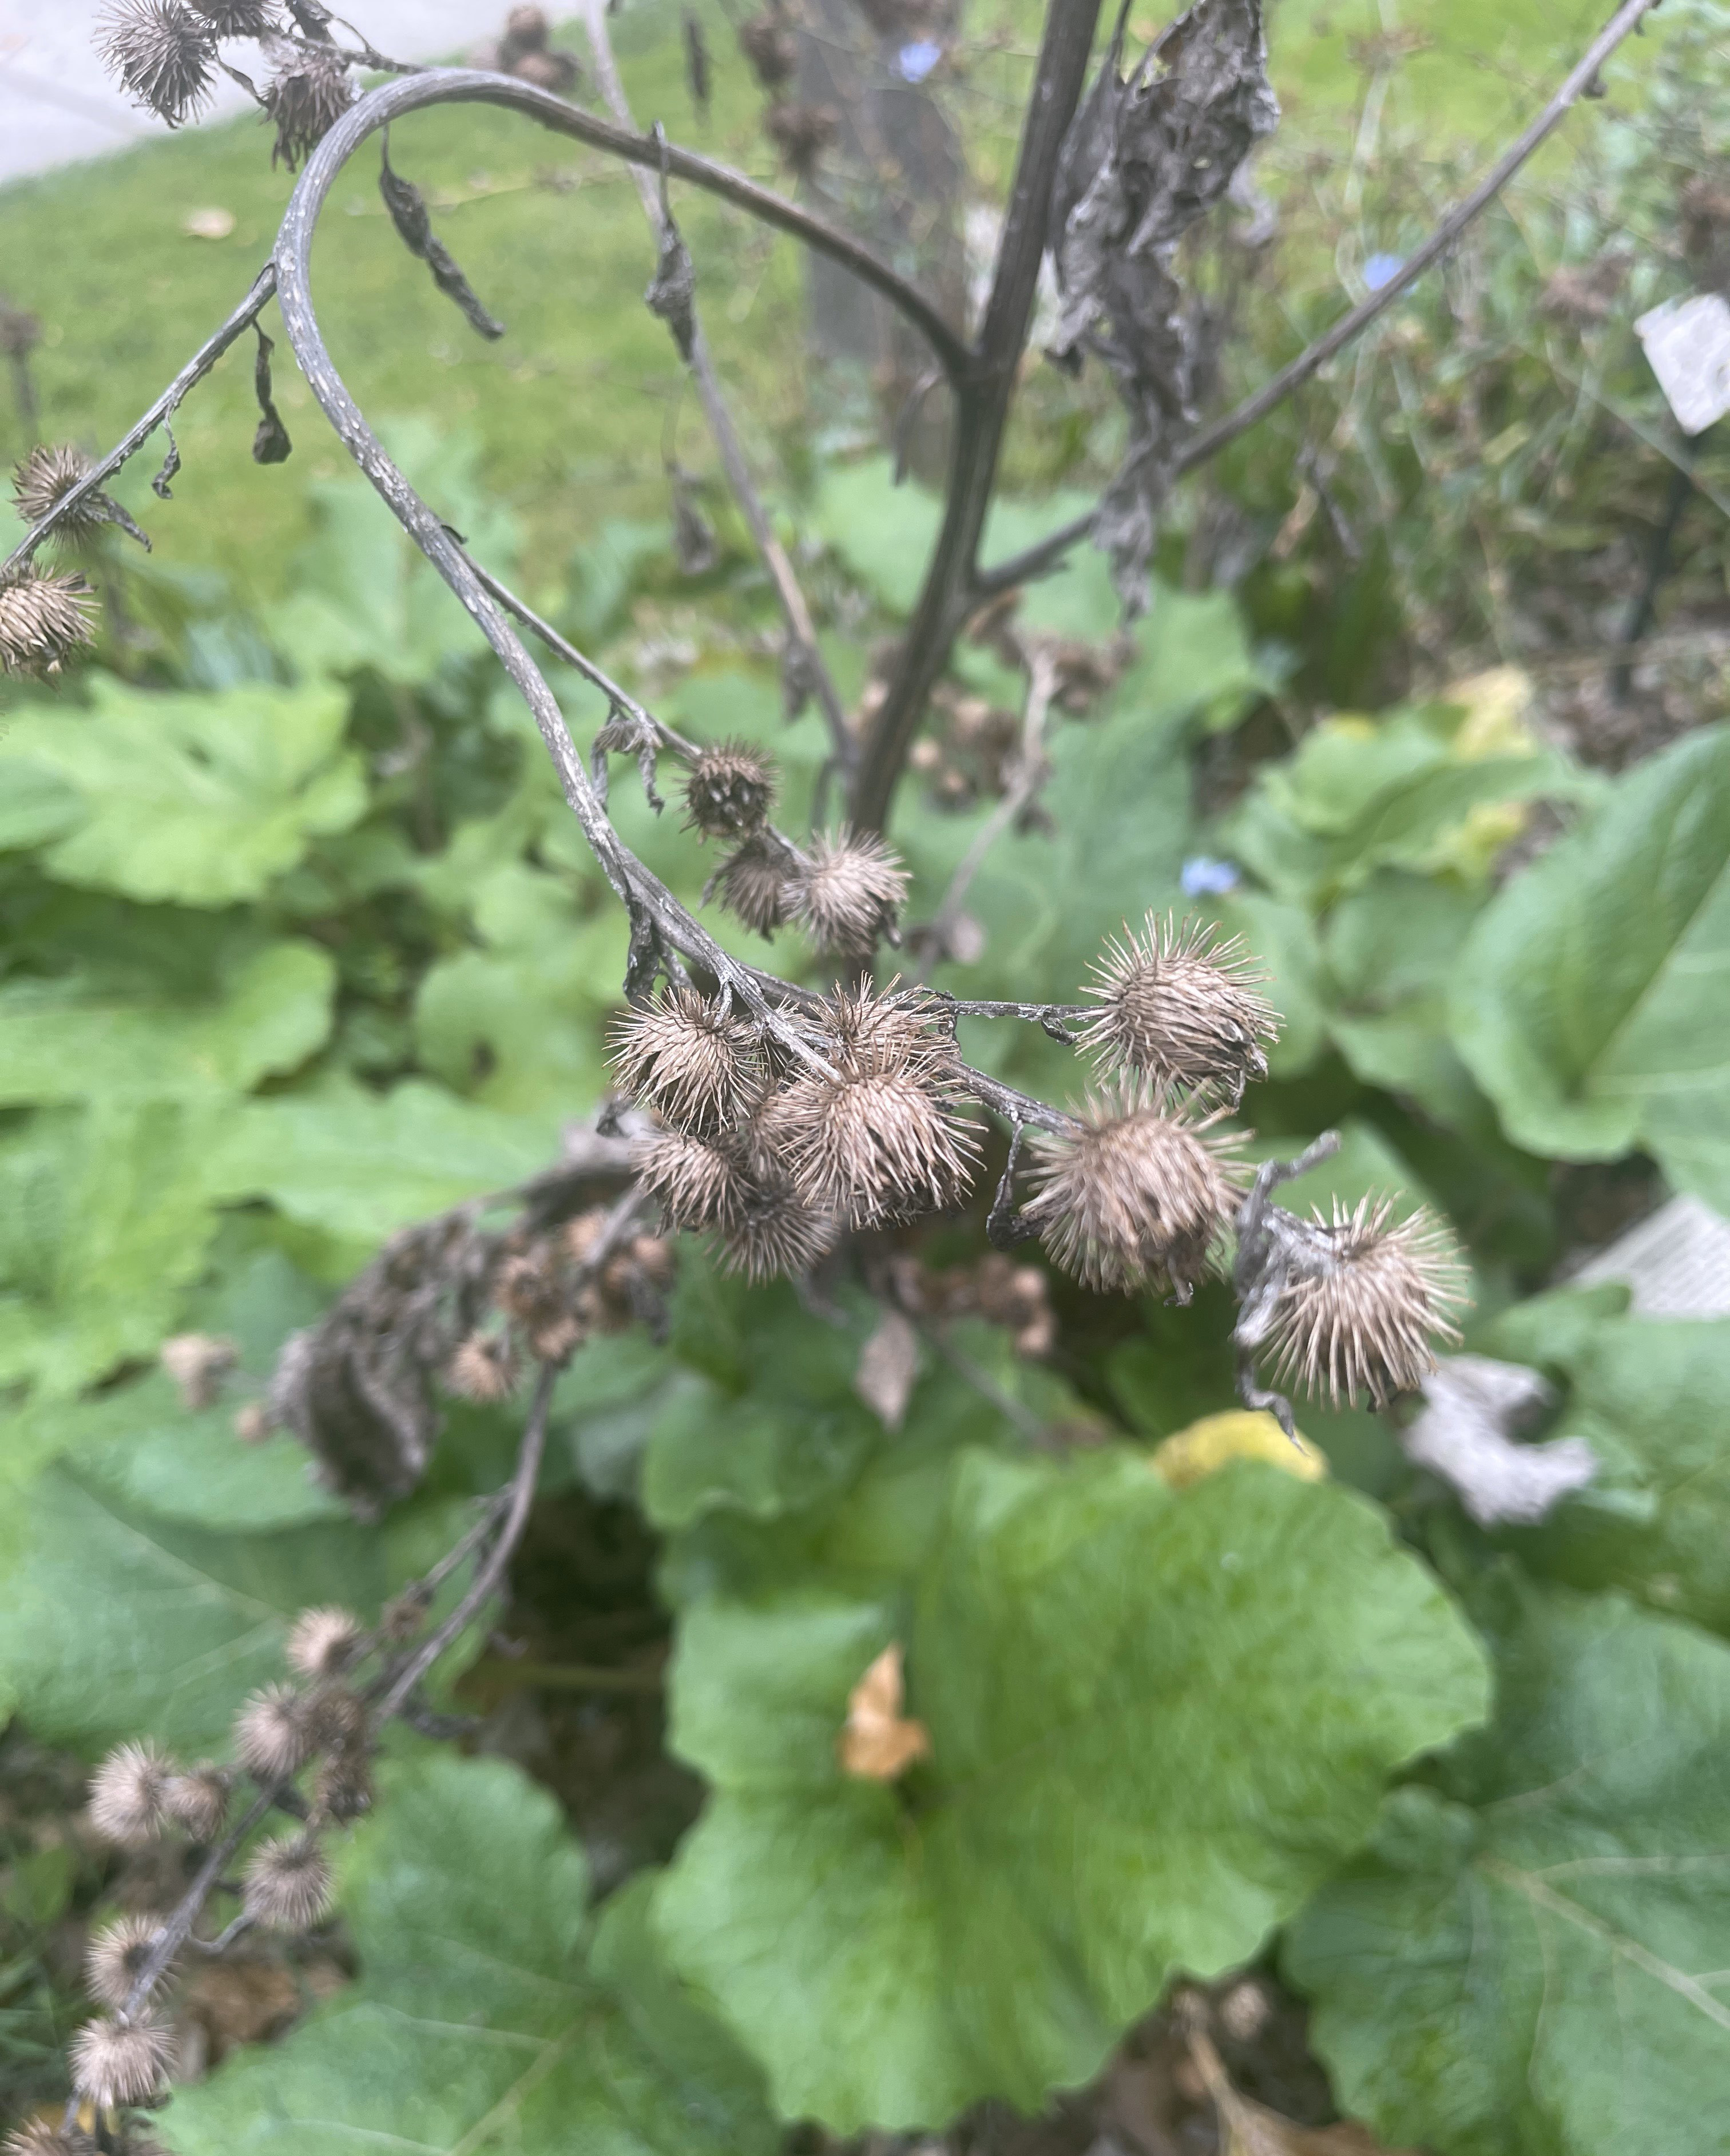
x,y
104,1224
114,1621
196,798
1157,1721
1592,1001
1650,1397
474,2023
1533,1958
361,1165
91,1037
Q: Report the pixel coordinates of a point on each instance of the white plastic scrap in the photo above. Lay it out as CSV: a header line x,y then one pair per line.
x,y
1687,346
1471,1403
1677,1263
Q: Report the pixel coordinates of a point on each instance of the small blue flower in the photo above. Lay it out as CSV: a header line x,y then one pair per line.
x,y
916,60
1382,269
1202,877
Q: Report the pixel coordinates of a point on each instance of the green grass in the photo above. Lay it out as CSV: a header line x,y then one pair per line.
x,y
577,407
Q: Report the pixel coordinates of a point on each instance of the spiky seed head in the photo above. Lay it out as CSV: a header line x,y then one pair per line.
x,y
802,133
1138,1195
482,1369
730,790
239,18
753,886
44,620
306,99
323,1643
342,1789
286,1886
44,479
116,1957
335,1718
689,1058
771,48
848,897
774,1233
272,1735
127,1795
866,1024
1363,1324
198,1801
698,1185
1178,1004
880,1141
116,2063
197,1362
162,53
39,2138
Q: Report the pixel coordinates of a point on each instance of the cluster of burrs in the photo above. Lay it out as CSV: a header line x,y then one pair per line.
x,y
854,1115
167,54
304,1748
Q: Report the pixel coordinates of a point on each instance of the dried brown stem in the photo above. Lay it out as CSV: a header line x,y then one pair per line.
x,y
984,392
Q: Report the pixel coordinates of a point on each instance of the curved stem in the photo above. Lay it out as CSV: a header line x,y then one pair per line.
x,y
1045,553
391,101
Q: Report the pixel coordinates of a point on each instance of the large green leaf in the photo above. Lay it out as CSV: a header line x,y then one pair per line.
x,y
362,1165
1651,1399
104,1224
114,1621
1157,1721
1533,1959
95,1036
474,2023
1590,1002
197,798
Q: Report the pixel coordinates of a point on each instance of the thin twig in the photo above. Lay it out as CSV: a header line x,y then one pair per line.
x,y
805,653
1035,559
196,368
488,1575
982,405
1031,771
175,1932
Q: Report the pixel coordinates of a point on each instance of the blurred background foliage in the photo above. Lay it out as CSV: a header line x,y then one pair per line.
x,y
297,943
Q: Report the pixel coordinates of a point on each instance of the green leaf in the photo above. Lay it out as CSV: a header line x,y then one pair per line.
x,y
1649,1397
755,1455
95,1037
113,1621
475,2024
364,596
35,805
201,798
103,1224
1590,1002
362,1165
1530,1959
1156,1722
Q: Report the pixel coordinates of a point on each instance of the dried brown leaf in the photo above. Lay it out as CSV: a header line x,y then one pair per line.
x,y
880,1743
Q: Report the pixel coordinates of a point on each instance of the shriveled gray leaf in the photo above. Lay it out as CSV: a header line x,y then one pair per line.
x,y
888,1364
1145,157
1471,1406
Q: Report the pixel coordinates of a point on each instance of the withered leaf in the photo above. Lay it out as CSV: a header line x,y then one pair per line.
x,y
880,1743
888,1364
1146,156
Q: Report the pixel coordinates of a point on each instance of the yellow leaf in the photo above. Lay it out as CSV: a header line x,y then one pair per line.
x,y
879,1742
1189,1456
1495,704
